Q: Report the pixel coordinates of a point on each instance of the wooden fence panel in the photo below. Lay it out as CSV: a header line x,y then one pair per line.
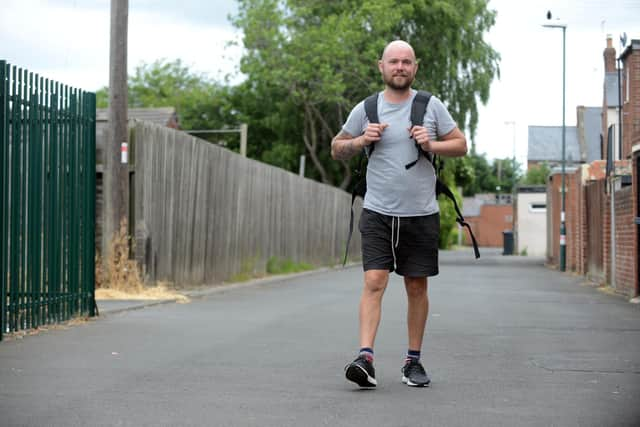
x,y
204,214
595,202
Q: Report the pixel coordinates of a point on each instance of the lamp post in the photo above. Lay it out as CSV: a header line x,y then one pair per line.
x,y
512,123
563,233
513,160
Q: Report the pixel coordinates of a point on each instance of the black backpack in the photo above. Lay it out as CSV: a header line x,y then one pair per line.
x,y
418,110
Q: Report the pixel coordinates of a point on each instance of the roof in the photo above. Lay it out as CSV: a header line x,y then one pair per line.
x,y
531,188
633,45
611,88
545,144
592,130
160,116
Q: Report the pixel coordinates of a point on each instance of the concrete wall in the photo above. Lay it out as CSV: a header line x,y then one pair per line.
x,y
531,228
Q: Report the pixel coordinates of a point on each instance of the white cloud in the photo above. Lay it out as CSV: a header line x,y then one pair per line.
x,y
529,91
204,49
70,43
68,40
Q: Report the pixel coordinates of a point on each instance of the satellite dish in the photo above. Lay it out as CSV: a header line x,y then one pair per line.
x,y
623,39
548,14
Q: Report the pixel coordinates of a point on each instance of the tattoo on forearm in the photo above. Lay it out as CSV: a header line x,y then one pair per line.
x,y
346,148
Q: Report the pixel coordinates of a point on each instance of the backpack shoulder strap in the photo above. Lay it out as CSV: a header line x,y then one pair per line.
x,y
441,188
418,110
419,107
371,108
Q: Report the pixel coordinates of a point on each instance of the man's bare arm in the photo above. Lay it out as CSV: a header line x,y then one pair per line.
x,y
344,146
453,144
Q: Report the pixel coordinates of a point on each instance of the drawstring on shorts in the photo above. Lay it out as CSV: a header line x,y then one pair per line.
x,y
395,229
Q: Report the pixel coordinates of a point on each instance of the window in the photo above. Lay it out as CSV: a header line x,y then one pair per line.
x,y
536,207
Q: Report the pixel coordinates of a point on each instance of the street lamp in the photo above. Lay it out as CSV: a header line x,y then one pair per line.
x,y
513,160
563,249
512,123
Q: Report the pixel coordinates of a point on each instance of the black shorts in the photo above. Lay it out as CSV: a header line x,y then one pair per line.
x,y
406,245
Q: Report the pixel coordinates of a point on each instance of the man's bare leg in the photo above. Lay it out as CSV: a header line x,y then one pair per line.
x,y
413,373
375,283
361,370
418,309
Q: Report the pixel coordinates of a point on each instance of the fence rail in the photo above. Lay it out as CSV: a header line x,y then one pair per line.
x,y
47,188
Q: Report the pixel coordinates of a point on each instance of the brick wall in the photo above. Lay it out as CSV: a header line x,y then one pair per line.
x,y
581,235
489,225
631,100
573,214
625,242
606,236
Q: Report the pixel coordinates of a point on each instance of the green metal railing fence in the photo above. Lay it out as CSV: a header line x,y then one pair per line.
x,y
47,188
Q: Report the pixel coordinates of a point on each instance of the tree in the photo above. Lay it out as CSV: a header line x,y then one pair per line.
x,y
485,181
537,175
508,174
204,104
321,58
503,173
200,102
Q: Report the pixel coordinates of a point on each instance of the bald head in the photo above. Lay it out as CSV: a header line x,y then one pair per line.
x,y
398,47
398,66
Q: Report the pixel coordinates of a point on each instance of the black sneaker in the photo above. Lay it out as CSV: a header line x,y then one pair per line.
x,y
361,372
414,375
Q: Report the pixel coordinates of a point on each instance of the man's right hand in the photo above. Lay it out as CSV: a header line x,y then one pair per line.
x,y
373,133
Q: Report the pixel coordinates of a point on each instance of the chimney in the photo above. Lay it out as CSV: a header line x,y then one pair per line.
x,y
609,56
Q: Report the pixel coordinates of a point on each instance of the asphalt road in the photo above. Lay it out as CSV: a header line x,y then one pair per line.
x,y
508,343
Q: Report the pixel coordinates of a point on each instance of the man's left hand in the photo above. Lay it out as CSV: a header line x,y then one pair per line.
x,y
421,137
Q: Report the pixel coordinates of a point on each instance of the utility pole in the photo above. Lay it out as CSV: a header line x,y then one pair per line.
x,y
116,171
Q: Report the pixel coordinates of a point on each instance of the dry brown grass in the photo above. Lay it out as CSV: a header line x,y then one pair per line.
x,y
118,276
117,271
159,292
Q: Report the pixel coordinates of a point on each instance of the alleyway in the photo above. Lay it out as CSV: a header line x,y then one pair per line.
x,y
509,343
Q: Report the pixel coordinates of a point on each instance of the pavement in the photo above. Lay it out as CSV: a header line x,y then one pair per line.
x,y
509,342
114,306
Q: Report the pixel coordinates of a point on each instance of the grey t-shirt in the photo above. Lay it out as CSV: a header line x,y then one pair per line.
x,y
391,188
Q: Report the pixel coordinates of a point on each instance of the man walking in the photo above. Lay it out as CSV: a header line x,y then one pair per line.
x,y
400,220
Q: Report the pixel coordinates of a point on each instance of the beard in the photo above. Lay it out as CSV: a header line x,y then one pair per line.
x,y
398,81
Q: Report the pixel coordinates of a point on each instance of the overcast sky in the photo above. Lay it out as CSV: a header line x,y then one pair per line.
x,y
68,40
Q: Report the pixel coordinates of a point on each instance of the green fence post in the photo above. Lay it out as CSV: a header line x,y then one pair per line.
x,y
91,197
39,165
4,193
24,185
14,238
74,223
54,285
66,201
48,227
30,196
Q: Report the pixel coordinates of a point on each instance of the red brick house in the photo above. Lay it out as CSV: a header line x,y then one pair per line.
x,y
602,203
